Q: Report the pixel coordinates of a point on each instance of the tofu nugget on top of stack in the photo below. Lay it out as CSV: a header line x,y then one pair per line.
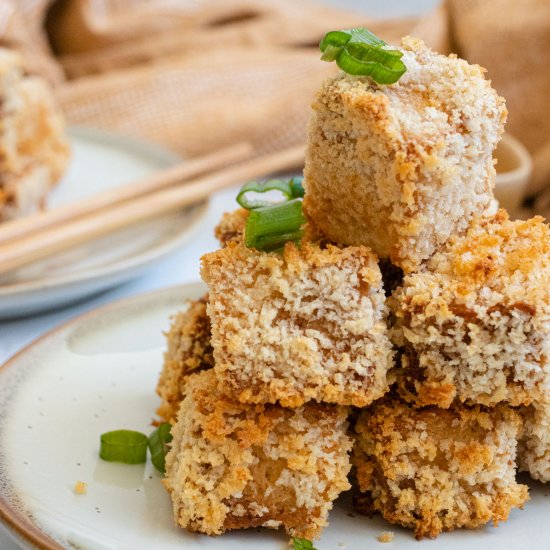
x,y
402,168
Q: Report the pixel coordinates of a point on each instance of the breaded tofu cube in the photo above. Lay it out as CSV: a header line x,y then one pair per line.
x,y
188,350
306,324
534,446
34,150
235,466
231,227
435,470
475,324
401,168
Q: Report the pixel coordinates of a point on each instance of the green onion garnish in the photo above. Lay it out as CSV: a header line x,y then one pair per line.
x,y
359,52
123,446
302,544
270,227
291,189
158,445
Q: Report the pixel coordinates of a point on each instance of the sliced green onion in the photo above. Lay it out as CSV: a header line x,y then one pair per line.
x,y
361,34
270,227
359,52
158,445
302,544
125,446
331,53
297,187
290,189
383,66
333,40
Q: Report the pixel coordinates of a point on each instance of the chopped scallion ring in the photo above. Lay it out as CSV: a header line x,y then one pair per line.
x,y
125,446
297,187
270,227
158,445
290,189
359,52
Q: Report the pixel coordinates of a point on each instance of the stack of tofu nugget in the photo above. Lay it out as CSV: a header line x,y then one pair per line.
x,y
408,334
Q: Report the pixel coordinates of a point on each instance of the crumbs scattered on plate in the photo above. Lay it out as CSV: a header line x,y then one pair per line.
x,y
386,536
80,488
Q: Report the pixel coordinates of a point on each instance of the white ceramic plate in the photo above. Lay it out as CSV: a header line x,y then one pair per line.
x,y
99,161
98,373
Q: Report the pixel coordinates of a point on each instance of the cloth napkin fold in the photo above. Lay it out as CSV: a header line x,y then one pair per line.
x,y
196,75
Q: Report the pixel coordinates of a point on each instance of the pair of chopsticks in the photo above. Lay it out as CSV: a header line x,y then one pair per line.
x,y
36,237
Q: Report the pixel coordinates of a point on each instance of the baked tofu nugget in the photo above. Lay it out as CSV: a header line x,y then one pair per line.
x,y
34,150
534,446
235,466
231,226
435,470
475,325
305,324
188,350
401,168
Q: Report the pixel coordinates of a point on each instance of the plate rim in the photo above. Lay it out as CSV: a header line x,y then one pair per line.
x,y
198,214
17,524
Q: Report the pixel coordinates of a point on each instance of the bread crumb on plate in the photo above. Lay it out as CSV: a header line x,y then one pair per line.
x,y
385,536
80,488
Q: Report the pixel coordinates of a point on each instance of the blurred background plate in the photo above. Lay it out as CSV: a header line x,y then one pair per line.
x,y
100,161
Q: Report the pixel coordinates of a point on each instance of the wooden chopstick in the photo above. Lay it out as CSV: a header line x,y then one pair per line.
x,y
28,249
159,180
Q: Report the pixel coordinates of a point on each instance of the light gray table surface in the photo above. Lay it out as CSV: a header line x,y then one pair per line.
x,y
183,266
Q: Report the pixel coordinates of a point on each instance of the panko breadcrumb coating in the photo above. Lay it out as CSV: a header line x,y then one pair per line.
x,y
475,324
436,470
402,168
34,150
188,350
305,324
534,446
231,227
234,466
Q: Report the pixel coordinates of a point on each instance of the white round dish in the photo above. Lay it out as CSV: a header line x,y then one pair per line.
x,y
100,161
98,373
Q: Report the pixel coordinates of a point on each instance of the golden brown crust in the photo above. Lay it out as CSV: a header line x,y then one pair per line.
x,y
188,350
231,226
534,446
401,168
234,466
436,470
474,325
306,324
